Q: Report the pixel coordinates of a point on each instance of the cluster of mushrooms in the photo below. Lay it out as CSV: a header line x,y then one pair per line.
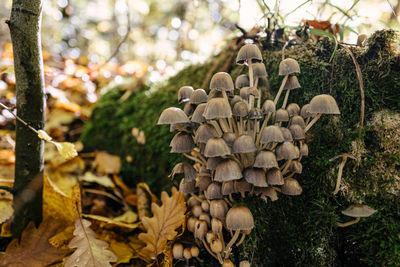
x,y
239,145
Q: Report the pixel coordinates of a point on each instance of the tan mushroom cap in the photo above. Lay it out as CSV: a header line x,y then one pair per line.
x,y
324,104
212,163
188,108
293,109
187,187
271,133
235,99
274,177
287,135
268,106
222,81
254,92
240,109
204,133
185,168
173,115
292,83
213,191
244,144
227,170
296,166
296,119
297,132
303,150
197,116
248,52
291,187
227,188
182,143
259,70
286,151
217,108
305,111
255,177
202,182
184,94
244,93
266,159
239,218
217,147
267,192
288,66
218,209
229,138
242,81
359,210
281,115
198,96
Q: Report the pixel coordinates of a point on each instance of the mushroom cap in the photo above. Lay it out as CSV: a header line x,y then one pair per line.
x,y
293,109
305,111
202,182
187,187
281,115
227,170
213,191
274,177
204,133
254,92
287,135
291,187
235,99
244,144
184,94
217,108
188,109
239,218
259,70
240,109
288,66
222,81
244,93
229,138
185,168
248,52
182,142
242,186
324,104
173,115
297,132
197,116
198,96
263,82
244,264
304,149
214,93
212,163
255,177
296,166
296,119
267,192
268,106
227,188
242,81
255,113
292,83
359,210
271,133
286,151
216,147
266,159
218,209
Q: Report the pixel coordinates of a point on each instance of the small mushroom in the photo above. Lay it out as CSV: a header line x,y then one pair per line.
x,y
291,187
242,81
182,142
291,84
356,211
222,81
321,104
177,251
198,96
286,67
184,94
343,158
217,147
249,54
173,115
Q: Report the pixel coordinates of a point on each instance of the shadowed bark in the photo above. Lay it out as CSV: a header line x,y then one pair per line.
x,y
24,27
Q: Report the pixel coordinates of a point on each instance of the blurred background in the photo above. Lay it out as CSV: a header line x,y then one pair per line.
x,y
169,34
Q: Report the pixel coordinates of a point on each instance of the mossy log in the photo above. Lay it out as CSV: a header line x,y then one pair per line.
x,y
301,230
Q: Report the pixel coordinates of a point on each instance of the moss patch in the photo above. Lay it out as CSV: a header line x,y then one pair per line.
x,y
293,231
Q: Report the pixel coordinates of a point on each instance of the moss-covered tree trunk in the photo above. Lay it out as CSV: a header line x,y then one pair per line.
x,y
24,27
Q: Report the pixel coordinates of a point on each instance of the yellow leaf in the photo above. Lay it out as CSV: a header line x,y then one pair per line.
x,y
6,209
123,251
127,217
162,226
109,223
62,239
58,205
67,150
43,135
9,70
106,163
101,180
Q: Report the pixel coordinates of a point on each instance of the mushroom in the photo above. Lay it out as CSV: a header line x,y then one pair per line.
x,y
244,264
356,211
240,110
217,147
214,191
218,108
249,54
185,168
343,158
197,115
293,109
286,67
291,187
228,263
218,209
173,115
245,147
242,81
266,160
222,81
321,104
198,96
184,94
182,142
238,219
255,176
271,134
204,133
291,84
275,177
177,251
227,170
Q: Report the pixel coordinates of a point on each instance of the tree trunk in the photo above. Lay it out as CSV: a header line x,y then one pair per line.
x,y
24,27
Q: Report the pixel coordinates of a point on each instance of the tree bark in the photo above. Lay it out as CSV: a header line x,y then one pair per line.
x,y
24,27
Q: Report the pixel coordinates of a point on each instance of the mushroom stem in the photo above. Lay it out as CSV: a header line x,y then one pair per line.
x,y
180,127
262,128
251,79
224,125
339,175
193,158
251,102
312,122
233,124
356,220
216,126
241,239
281,89
229,245
286,167
208,249
285,100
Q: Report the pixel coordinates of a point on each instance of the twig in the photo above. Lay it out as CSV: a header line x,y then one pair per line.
x,y
18,118
360,81
99,192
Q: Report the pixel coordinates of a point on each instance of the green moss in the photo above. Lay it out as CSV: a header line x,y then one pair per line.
x,y
293,231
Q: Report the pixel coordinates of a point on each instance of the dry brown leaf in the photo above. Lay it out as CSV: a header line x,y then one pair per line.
x,y
122,250
106,163
144,200
34,250
62,239
6,209
90,251
109,223
162,226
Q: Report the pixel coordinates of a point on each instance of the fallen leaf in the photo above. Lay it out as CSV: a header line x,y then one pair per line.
x,y
7,157
34,250
131,199
162,226
122,250
62,239
144,200
58,205
109,223
67,150
6,209
90,252
101,180
125,189
127,217
106,163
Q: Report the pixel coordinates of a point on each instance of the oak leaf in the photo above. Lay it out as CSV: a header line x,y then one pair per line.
x,y
6,209
162,226
34,250
90,252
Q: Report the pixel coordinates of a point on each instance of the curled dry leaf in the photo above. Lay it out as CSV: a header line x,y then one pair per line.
x,y
144,200
90,252
67,150
162,226
106,163
101,180
106,222
34,249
